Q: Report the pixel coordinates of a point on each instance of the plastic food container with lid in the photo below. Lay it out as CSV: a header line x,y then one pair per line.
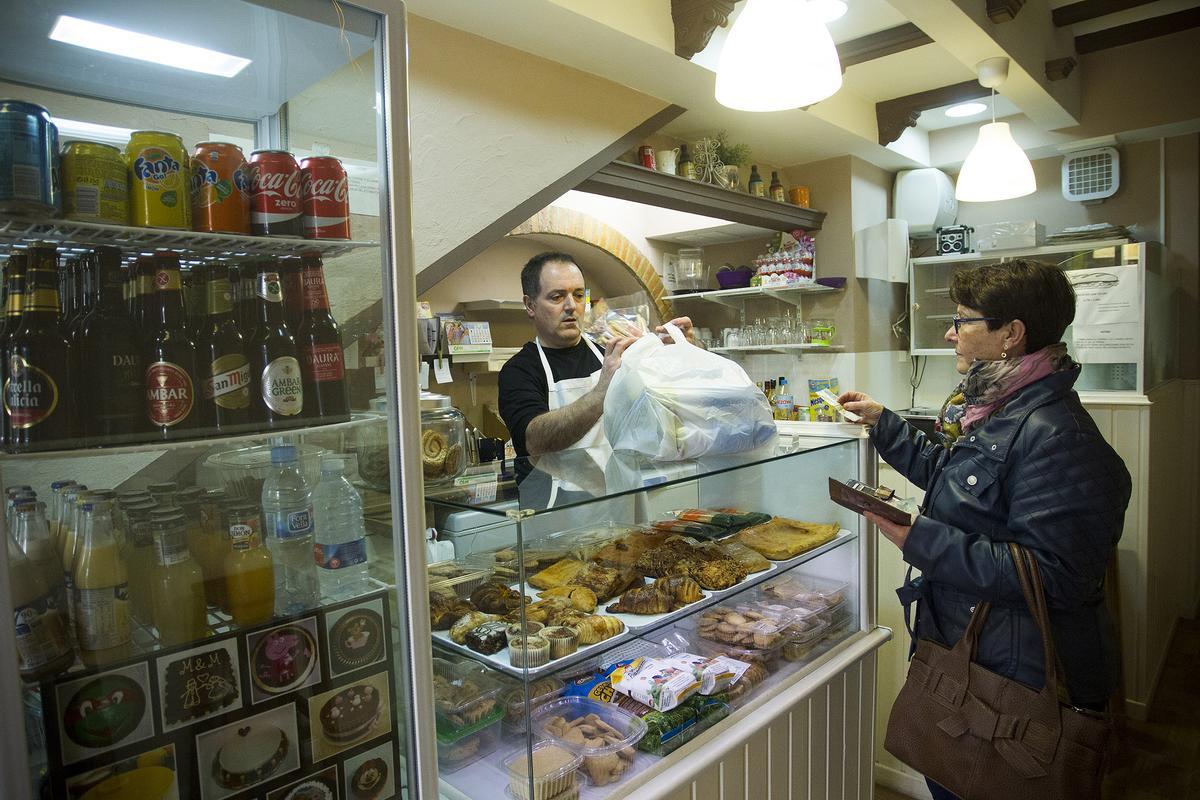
x,y
243,471
820,593
553,773
458,747
463,694
443,439
598,765
798,647
541,691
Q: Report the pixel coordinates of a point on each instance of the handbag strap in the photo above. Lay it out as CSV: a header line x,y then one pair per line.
x,y
1031,585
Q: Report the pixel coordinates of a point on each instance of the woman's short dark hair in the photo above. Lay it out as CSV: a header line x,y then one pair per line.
x,y
531,273
1038,294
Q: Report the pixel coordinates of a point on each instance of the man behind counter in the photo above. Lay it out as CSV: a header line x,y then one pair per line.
x,y
552,391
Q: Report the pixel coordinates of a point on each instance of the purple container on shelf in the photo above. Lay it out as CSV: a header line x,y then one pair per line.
x,y
734,278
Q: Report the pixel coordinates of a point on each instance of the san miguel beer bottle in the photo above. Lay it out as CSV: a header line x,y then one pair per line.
x,y
320,343
38,399
169,356
223,365
110,357
277,391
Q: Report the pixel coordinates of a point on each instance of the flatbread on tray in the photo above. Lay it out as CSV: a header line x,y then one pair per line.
x,y
782,538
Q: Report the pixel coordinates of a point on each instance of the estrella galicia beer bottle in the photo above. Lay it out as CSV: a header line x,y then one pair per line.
x,y
277,389
223,364
169,356
38,399
320,343
14,285
110,356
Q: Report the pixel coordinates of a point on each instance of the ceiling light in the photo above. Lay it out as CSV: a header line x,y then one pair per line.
x,y
996,168
966,109
130,44
828,10
76,129
753,74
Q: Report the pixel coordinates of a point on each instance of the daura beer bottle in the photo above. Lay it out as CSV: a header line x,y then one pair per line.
x,y
169,357
320,343
277,388
223,364
38,385
110,356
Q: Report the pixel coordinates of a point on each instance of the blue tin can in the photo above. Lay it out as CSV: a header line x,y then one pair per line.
x,y
29,182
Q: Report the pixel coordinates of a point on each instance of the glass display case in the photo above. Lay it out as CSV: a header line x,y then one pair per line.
x,y
203,209
1124,321
728,579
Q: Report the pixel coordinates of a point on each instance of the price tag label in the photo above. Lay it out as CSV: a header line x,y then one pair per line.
x,y
441,371
424,376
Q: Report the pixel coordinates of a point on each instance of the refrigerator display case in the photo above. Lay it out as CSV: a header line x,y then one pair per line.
x,y
535,638
197,609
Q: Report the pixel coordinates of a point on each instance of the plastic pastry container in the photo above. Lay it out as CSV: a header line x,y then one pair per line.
x,y
243,470
458,747
541,691
740,625
554,768
801,645
459,579
629,728
819,593
470,695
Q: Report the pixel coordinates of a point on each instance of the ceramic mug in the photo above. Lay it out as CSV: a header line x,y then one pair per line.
x,y
665,160
822,332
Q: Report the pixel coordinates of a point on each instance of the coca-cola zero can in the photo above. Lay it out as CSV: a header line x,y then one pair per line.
x,y
275,194
326,198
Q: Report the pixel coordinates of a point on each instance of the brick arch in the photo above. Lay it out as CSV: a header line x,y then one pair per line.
x,y
588,229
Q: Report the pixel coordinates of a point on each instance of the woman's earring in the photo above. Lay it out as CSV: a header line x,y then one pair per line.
x,y
1003,354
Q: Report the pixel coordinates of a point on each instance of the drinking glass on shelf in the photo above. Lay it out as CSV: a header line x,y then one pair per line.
x,y
803,333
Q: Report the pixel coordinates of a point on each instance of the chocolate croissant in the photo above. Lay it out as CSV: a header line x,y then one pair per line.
x,y
497,598
445,609
683,589
643,600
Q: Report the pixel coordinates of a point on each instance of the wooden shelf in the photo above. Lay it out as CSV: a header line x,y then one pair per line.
x,y
736,297
492,305
640,185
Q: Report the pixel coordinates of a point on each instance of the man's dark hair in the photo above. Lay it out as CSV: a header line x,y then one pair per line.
x,y
1038,294
531,273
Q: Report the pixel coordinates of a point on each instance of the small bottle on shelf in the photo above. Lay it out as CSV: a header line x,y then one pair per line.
x,y
288,522
101,590
776,189
686,167
43,645
179,605
341,544
249,570
755,185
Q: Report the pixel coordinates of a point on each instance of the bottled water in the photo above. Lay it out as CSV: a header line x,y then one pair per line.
x,y
288,525
341,551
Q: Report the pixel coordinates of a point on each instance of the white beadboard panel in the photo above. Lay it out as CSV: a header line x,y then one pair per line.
x,y
818,744
707,785
867,730
855,724
733,776
801,724
758,763
779,757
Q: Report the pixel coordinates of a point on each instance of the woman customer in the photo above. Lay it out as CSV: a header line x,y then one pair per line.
x,y
1019,460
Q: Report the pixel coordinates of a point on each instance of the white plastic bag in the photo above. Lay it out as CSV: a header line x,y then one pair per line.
x,y
676,402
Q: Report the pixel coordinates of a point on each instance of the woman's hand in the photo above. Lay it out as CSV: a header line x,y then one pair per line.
x,y
894,532
861,404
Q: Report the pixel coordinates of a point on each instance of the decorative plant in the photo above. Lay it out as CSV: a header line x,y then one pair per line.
x,y
730,153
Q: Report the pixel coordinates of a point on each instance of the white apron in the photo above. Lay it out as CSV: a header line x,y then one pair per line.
x,y
561,394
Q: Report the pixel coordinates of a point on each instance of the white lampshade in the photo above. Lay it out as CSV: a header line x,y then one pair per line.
x,y
777,56
996,168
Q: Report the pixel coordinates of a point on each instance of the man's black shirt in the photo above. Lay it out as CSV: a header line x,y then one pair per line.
x,y
522,384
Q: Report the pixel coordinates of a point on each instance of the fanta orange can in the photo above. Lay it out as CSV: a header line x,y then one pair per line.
x,y
220,188
160,183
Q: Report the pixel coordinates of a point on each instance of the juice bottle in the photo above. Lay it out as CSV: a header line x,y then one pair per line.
x,y
249,569
71,537
179,608
139,560
101,590
43,648
207,550
66,522
163,493
216,541
58,491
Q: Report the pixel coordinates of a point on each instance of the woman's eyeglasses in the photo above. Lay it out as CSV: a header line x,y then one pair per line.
x,y
959,321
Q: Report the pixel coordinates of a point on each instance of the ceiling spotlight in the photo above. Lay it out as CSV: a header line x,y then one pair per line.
x,y
966,109
828,10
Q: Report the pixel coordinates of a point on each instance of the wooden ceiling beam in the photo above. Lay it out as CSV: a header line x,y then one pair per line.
x,y
1004,10
892,117
1091,9
880,44
695,21
1138,31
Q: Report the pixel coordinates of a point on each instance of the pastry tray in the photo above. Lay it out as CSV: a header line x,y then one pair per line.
x,y
636,624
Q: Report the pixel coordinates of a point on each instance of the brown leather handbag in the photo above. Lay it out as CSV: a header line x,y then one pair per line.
x,y
983,736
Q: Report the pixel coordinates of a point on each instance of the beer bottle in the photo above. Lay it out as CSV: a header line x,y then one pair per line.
x,y
169,356
234,272
293,291
194,298
222,357
110,356
66,289
247,310
142,298
320,343
277,388
38,398
14,283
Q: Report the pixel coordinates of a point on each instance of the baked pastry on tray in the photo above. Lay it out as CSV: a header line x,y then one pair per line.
x,y
783,538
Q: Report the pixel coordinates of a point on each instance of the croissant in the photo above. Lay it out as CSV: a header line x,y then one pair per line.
x,y
580,597
596,628
539,611
445,609
683,589
643,600
468,622
497,598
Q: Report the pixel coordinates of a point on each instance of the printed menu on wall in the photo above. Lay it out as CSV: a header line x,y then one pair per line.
x,y
296,708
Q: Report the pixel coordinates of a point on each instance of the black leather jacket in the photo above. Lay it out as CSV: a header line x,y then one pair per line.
x,y
1038,473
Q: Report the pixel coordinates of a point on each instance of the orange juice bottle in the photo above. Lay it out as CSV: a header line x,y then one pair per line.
x,y
101,589
139,560
180,613
249,568
207,549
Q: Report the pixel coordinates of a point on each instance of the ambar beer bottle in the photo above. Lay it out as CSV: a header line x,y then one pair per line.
x,y
110,359
320,343
38,399
169,355
277,393
223,365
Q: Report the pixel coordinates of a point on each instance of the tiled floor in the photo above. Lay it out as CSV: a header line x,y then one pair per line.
x,y
1158,759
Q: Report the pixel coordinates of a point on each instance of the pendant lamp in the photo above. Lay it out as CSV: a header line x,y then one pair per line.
x,y
996,168
757,71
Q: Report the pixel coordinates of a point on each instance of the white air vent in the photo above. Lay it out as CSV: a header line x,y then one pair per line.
x,y
1091,174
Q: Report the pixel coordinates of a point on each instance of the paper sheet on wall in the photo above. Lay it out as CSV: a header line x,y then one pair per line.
x,y
1119,343
1106,296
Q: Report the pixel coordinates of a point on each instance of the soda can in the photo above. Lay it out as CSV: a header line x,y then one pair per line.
x,y
95,183
326,198
646,153
160,185
275,194
29,178
220,188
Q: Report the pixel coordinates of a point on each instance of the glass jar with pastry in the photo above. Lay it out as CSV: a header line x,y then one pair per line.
x,y
443,440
